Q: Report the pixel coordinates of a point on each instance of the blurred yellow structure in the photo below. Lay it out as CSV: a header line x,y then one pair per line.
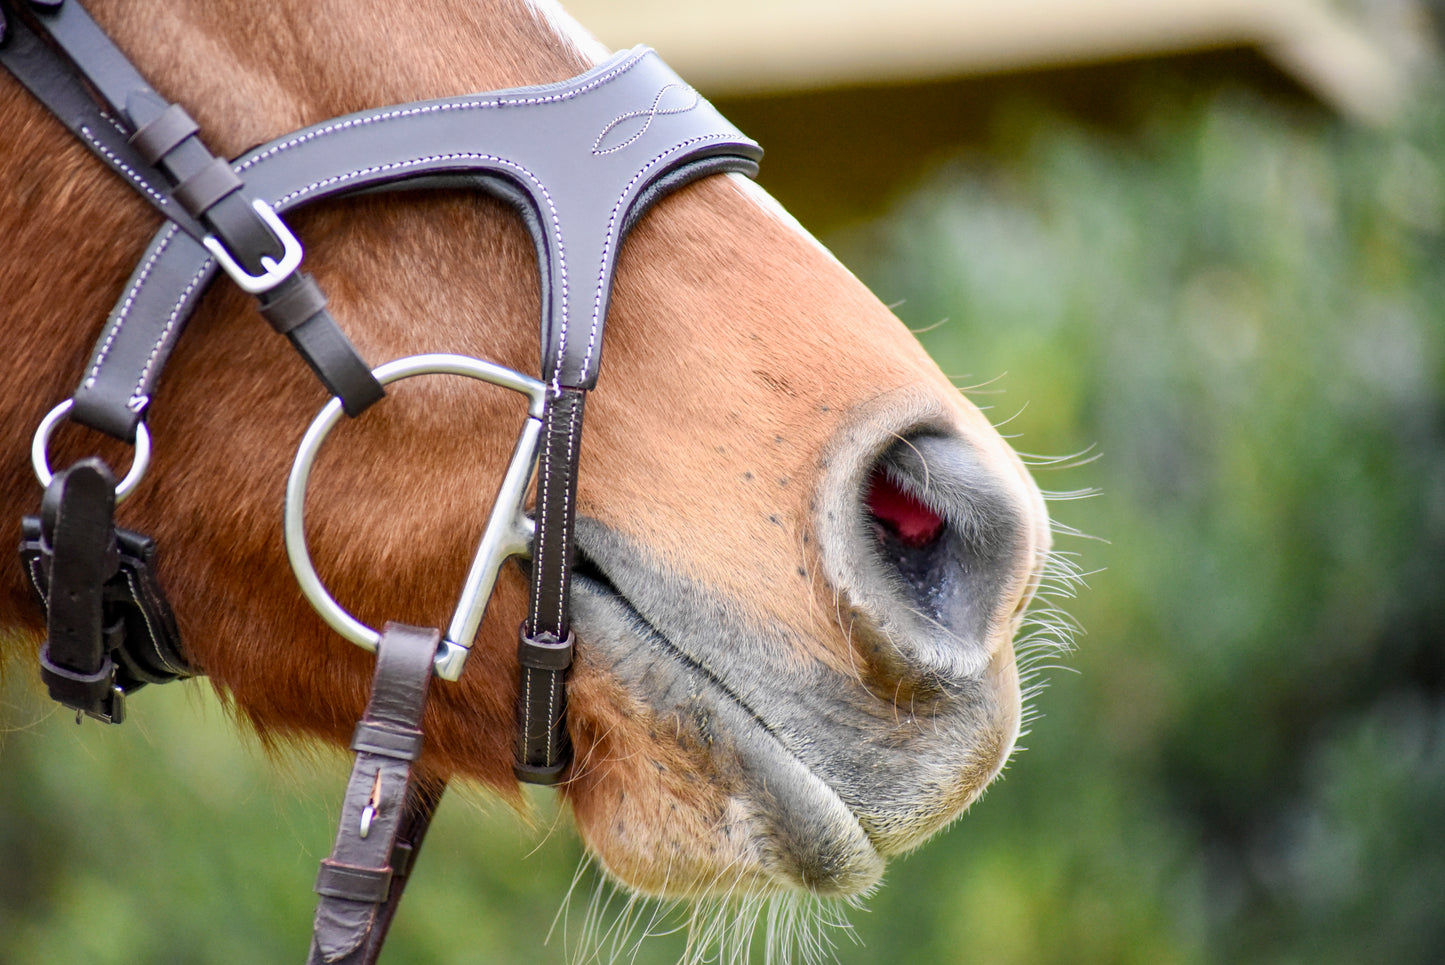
x,y
1354,56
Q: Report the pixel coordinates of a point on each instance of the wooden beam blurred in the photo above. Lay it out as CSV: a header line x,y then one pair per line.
x,y
744,47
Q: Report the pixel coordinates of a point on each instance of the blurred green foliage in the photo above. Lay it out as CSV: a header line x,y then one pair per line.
x,y
1238,308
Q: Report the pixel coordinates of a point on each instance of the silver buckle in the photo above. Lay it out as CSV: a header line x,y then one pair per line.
x,y
509,532
276,272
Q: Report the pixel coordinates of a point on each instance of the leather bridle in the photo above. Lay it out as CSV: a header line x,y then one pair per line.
x,y
580,161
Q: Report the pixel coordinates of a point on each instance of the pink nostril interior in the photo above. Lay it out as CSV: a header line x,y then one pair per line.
x,y
908,518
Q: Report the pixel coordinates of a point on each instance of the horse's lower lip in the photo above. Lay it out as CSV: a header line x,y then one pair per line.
x,y
811,800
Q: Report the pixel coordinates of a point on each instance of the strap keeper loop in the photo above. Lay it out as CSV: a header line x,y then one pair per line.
x,y
543,775
387,740
402,855
292,303
336,880
95,695
200,192
545,651
75,689
164,134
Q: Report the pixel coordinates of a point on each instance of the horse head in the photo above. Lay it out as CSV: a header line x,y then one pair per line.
x,y
802,554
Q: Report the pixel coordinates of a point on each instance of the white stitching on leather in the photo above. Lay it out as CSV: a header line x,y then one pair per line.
x,y
652,114
150,627
365,119
351,175
120,165
551,724
123,311
574,421
544,489
526,709
612,234
119,127
35,579
175,315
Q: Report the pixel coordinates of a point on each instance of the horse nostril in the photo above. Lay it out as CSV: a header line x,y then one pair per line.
x,y
900,514
924,560
944,536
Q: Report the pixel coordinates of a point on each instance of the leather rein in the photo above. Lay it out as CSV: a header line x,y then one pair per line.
x,y
580,161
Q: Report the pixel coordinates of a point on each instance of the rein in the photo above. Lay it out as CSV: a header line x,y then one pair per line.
x,y
580,161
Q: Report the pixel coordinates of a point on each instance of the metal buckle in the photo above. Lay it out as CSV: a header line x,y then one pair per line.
x,y
117,709
508,533
41,463
276,272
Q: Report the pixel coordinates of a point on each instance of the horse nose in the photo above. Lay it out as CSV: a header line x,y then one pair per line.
x,y
932,558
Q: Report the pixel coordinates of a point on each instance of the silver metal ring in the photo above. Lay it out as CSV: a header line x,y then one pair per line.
x,y
41,463
508,532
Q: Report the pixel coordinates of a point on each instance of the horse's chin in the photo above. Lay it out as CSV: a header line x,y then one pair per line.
x,y
715,761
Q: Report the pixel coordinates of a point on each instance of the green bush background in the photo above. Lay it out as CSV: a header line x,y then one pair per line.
x,y
1237,307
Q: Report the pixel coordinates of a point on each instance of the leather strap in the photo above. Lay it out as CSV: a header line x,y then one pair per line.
x,y
109,629
139,628
129,99
335,361
582,160
383,817
422,798
78,527
105,69
297,309
156,147
545,647
55,83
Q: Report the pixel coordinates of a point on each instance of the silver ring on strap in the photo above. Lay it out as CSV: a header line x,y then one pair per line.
x,y
41,462
508,532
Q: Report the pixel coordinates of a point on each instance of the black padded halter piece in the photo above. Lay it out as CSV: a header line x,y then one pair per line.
x,y
580,160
